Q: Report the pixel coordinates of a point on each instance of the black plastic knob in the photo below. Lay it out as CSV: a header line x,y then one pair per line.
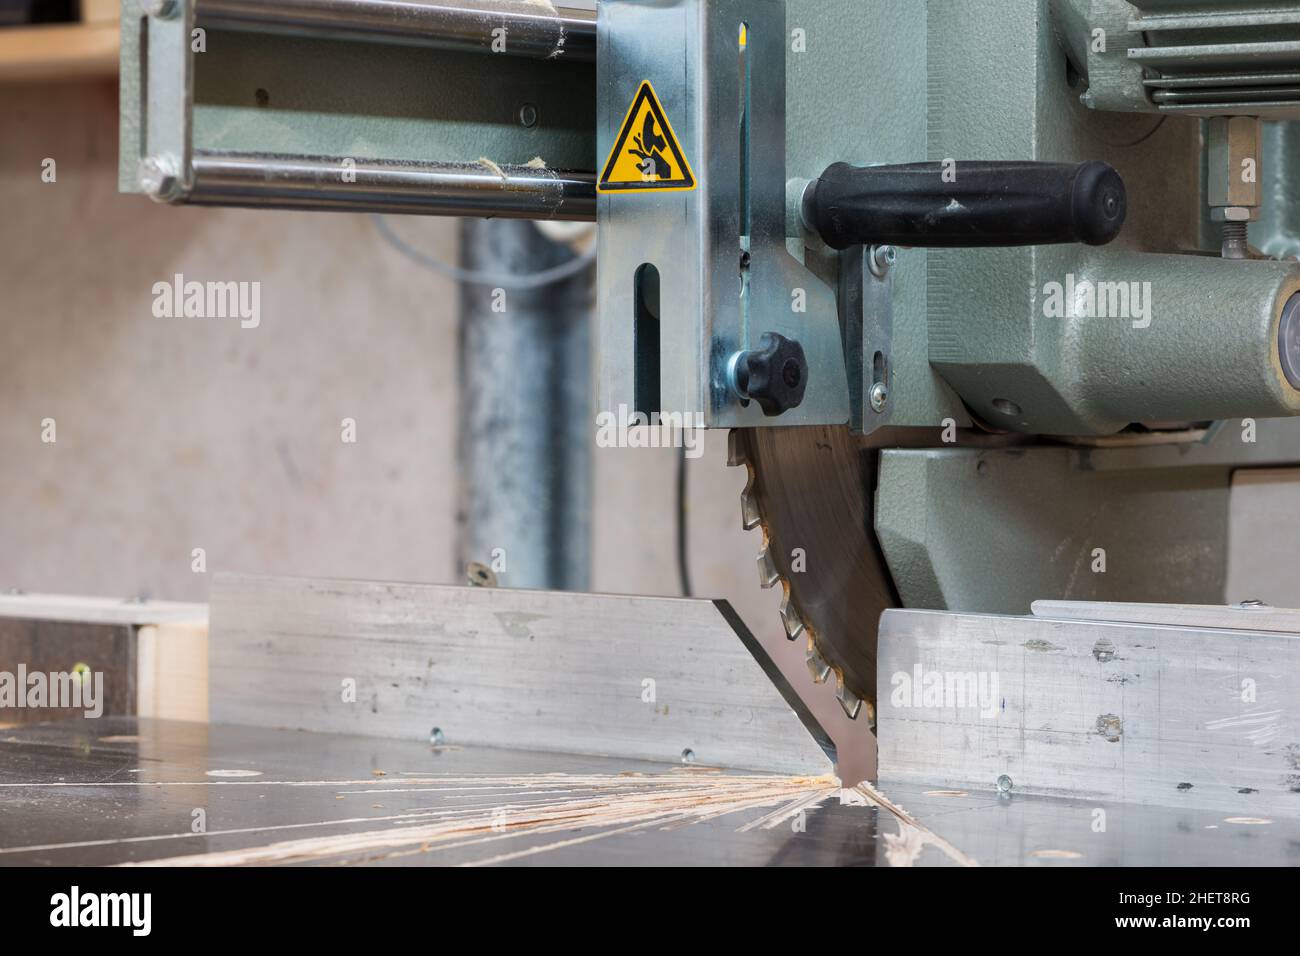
x,y
774,375
967,204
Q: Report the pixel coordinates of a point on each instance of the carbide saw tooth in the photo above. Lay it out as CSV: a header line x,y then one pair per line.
x,y
817,665
735,449
749,516
850,701
790,618
767,573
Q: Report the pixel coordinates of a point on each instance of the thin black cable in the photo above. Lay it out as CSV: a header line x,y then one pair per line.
x,y
683,565
533,280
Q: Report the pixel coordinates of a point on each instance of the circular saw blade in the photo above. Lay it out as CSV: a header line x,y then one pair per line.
x,y
812,491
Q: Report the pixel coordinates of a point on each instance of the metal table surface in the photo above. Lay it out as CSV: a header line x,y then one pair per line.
x,y
122,790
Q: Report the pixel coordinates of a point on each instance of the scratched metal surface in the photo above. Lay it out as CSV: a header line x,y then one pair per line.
x,y
1025,830
1174,716
93,787
120,790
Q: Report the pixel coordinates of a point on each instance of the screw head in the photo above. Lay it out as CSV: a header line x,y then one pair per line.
x,y
1004,784
688,755
528,115
480,575
162,9
160,178
436,737
879,396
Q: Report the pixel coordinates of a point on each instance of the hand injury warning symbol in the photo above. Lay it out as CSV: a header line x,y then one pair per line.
x,y
646,155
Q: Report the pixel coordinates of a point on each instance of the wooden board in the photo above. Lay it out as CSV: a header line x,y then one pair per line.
x,y
61,51
153,654
635,677
172,670
62,647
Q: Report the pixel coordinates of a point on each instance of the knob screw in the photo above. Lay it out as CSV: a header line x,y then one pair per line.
x,y
774,375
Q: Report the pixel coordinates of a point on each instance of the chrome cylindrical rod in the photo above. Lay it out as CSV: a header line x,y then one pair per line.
x,y
436,189
510,27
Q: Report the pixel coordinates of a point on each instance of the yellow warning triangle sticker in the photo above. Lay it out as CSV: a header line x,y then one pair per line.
x,y
646,156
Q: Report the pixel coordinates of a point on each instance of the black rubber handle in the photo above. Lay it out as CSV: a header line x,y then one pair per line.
x,y
966,204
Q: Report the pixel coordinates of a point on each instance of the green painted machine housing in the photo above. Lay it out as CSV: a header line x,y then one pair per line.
x,y
993,530
1206,350
971,327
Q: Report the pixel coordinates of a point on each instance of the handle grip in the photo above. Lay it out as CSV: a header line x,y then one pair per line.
x,y
984,204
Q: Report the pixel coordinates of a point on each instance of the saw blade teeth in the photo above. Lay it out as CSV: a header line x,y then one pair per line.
x,y
817,665
736,449
790,617
850,701
749,516
768,576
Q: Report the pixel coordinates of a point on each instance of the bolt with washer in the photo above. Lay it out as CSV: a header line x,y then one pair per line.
x,y
881,260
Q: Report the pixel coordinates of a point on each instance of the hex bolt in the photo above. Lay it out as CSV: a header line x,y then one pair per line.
x,y
160,178
1233,148
879,396
881,260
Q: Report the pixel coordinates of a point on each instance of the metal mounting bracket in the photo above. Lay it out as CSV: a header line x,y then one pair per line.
x,y
688,278
867,317
311,104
